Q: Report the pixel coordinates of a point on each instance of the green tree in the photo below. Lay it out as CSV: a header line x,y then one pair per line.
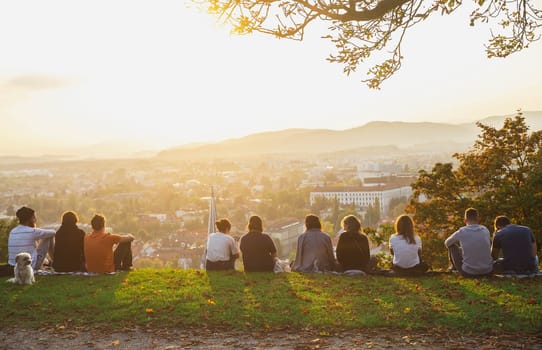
x,y
360,28
6,225
372,216
500,175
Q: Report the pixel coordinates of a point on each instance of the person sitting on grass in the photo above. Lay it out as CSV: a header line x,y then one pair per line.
x,y
406,247
353,247
257,248
314,248
27,238
469,247
69,253
222,250
99,254
518,246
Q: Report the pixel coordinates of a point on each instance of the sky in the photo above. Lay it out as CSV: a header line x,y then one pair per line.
x,y
161,73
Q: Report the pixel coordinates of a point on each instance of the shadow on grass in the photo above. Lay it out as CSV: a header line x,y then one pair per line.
x,y
59,299
238,300
256,299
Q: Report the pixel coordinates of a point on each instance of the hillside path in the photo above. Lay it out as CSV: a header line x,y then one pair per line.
x,y
169,339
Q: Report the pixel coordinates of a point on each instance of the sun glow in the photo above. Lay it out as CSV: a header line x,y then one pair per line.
x,y
164,74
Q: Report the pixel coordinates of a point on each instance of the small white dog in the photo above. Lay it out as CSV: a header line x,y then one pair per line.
x,y
23,271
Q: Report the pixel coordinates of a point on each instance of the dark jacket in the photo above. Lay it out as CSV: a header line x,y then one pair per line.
x,y
353,251
69,254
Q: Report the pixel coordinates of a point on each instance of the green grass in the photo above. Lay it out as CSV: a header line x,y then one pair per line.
x,y
235,300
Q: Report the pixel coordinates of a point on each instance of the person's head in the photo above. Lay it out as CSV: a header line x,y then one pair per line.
x,y
223,225
471,216
69,218
312,222
98,222
351,223
404,226
26,216
500,222
255,224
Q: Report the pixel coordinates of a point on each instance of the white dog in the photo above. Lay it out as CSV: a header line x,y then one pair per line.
x,y
23,271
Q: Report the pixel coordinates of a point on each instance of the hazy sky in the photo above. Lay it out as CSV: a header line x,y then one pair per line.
x,y
160,73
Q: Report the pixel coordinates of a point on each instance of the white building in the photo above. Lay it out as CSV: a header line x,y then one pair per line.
x,y
384,189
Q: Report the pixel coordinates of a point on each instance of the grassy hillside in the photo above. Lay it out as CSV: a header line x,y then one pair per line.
x,y
173,298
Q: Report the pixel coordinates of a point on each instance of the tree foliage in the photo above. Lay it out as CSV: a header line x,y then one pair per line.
x,y
500,175
6,225
359,28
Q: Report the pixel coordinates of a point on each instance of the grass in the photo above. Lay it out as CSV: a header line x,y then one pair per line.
x,y
235,300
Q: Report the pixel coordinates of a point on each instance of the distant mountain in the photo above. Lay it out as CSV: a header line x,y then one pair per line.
x,y
379,134
532,118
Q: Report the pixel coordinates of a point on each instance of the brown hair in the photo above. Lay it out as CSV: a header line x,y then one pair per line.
x,y
312,221
471,214
255,224
97,222
352,223
404,226
69,218
223,225
24,214
500,222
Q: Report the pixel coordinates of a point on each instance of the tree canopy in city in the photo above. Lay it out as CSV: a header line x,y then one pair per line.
x,y
360,28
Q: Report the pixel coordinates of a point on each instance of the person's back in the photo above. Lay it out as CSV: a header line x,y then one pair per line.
x,y
222,249
98,247
314,252
475,248
27,238
516,243
69,252
353,250
257,250
314,248
99,251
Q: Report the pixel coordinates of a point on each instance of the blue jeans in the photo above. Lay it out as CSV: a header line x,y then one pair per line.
x,y
456,258
41,251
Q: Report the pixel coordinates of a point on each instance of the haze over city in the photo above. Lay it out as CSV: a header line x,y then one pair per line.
x,y
162,74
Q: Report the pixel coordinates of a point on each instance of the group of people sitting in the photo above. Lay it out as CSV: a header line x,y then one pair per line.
x,y
471,251
314,248
69,249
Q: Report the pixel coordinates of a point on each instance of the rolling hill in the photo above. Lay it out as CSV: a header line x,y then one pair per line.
x,y
376,134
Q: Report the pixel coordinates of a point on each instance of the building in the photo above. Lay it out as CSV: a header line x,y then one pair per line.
x,y
383,188
285,234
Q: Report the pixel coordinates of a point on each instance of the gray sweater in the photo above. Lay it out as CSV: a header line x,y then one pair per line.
x,y
314,252
475,245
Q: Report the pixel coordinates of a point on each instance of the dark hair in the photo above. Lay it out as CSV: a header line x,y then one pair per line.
x,y
223,225
471,214
404,226
352,222
312,221
501,221
255,224
69,218
97,222
24,214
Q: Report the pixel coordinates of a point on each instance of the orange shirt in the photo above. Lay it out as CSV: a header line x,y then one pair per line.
x,y
99,251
